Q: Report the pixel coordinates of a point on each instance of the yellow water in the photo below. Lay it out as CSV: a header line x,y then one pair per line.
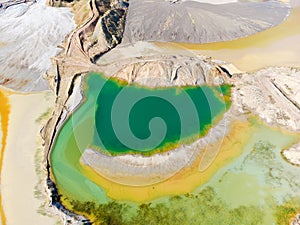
x,y
278,46
4,113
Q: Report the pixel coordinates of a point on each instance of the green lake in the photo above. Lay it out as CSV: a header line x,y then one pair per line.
x,y
114,112
130,118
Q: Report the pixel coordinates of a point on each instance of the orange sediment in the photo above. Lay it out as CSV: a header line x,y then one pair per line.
x,y
4,113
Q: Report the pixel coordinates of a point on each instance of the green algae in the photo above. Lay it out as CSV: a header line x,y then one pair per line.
x,y
204,208
287,211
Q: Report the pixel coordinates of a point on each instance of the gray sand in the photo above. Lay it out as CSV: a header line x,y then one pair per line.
x,y
195,22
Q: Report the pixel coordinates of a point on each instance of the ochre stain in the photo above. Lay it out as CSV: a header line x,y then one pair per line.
x,y
4,114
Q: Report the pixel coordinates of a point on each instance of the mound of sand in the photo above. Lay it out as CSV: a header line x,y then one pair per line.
x,y
198,22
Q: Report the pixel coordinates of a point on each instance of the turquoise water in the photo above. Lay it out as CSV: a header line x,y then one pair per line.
x,y
79,131
130,118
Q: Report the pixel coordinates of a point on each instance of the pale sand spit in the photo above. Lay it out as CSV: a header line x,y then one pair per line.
x,y
18,174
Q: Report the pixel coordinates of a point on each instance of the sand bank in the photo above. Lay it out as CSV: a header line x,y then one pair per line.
x,y
138,170
293,154
188,179
19,177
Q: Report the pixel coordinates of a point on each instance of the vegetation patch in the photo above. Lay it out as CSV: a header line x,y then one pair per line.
x,y
286,212
204,208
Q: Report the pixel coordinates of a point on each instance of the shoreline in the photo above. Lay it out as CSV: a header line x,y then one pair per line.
x,y
263,49
184,181
140,169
